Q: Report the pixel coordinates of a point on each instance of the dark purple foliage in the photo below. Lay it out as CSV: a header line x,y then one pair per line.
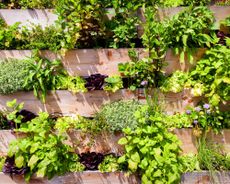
x,y
222,36
91,160
95,82
10,168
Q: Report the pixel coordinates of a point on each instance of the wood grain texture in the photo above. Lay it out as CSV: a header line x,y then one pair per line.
x,y
65,103
82,62
85,62
87,177
204,177
107,142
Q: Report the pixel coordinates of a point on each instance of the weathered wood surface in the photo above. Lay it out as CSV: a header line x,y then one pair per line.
x,y
204,177
107,142
67,103
85,62
87,104
86,177
82,62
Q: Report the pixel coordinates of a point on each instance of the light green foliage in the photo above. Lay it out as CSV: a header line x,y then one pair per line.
x,y
13,109
37,37
211,76
151,150
42,150
9,35
178,120
190,163
86,125
190,29
12,76
74,84
39,4
174,83
113,83
2,162
119,115
42,76
109,164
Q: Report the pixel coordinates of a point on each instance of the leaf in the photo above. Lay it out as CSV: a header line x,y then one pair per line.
x,y
132,165
123,141
19,161
11,104
136,157
121,159
182,57
32,162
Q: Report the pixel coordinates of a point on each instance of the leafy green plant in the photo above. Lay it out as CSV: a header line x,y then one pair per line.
x,y
211,76
119,115
196,2
109,164
189,30
190,163
12,76
37,37
39,4
72,83
206,117
151,150
9,35
175,83
42,151
42,76
113,83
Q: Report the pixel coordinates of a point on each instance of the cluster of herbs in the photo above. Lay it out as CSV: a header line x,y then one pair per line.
x,y
41,75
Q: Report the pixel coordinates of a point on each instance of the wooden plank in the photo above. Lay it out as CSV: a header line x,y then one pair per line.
x,y
82,62
66,103
44,17
172,102
107,142
204,177
85,62
86,177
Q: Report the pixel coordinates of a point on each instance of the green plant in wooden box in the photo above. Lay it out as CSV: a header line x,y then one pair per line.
x,y
189,30
119,115
11,75
152,151
211,76
42,150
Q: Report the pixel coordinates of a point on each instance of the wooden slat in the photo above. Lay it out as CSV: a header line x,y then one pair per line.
x,y
26,17
85,62
66,103
107,142
205,177
82,62
86,177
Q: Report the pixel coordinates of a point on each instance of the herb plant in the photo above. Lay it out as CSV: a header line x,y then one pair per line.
x,y
42,76
113,83
151,150
119,115
191,29
42,151
109,164
11,75
211,76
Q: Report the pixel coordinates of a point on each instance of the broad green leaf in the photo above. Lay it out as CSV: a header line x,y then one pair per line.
x,y
19,161
32,162
123,141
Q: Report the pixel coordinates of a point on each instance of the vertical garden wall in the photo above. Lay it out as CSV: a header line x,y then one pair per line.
x,y
114,92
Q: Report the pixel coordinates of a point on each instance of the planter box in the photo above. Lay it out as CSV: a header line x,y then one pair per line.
x,y
107,142
66,103
85,62
87,177
204,177
82,62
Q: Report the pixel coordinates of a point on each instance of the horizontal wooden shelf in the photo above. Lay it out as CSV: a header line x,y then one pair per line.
x,y
87,104
107,142
85,62
86,177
